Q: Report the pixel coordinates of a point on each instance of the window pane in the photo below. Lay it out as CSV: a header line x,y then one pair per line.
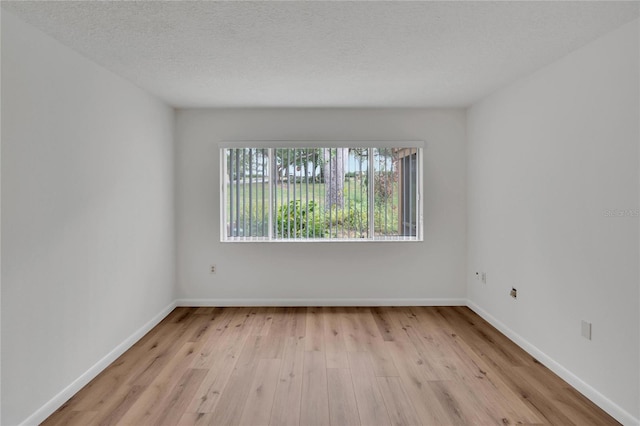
x,y
386,195
299,194
346,198
395,193
409,192
247,180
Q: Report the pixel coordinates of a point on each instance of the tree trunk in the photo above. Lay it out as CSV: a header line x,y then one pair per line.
x,y
335,161
275,170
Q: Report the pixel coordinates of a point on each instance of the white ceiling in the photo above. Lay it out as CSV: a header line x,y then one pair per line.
x,y
323,54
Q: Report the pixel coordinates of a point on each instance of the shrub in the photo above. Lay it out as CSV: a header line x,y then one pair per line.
x,y
296,220
353,218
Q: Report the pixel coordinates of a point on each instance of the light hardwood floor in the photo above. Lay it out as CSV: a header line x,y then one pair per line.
x,y
327,366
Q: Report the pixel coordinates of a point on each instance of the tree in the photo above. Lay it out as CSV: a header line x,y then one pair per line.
x,y
335,160
284,158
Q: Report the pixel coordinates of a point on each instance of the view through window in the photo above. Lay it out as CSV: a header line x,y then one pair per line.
x,y
320,193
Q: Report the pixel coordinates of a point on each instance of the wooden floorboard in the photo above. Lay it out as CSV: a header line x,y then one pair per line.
x,y
327,366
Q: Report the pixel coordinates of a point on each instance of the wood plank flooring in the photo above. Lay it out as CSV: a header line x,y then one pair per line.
x,y
327,366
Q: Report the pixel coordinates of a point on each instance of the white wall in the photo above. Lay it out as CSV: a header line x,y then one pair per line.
x,y
316,273
548,156
87,219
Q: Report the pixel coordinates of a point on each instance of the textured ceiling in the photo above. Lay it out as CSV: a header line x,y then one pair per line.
x,y
307,54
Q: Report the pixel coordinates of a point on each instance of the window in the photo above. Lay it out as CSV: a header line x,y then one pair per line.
x,y
321,191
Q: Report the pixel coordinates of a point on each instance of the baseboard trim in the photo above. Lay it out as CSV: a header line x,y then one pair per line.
x,y
596,397
56,402
321,302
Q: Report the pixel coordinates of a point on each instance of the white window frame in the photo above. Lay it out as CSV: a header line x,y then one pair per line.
x,y
276,144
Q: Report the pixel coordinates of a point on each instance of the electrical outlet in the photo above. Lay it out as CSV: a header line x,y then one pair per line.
x,y
484,277
586,330
212,269
513,293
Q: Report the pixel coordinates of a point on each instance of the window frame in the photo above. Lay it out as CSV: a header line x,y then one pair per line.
x,y
302,144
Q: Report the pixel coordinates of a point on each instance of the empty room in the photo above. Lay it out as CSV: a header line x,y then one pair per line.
x,y
320,213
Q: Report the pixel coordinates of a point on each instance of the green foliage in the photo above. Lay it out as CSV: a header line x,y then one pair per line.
x,y
352,222
352,219
352,216
298,220
385,219
385,186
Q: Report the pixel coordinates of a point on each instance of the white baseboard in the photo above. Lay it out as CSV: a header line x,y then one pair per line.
x,y
322,302
596,397
56,402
